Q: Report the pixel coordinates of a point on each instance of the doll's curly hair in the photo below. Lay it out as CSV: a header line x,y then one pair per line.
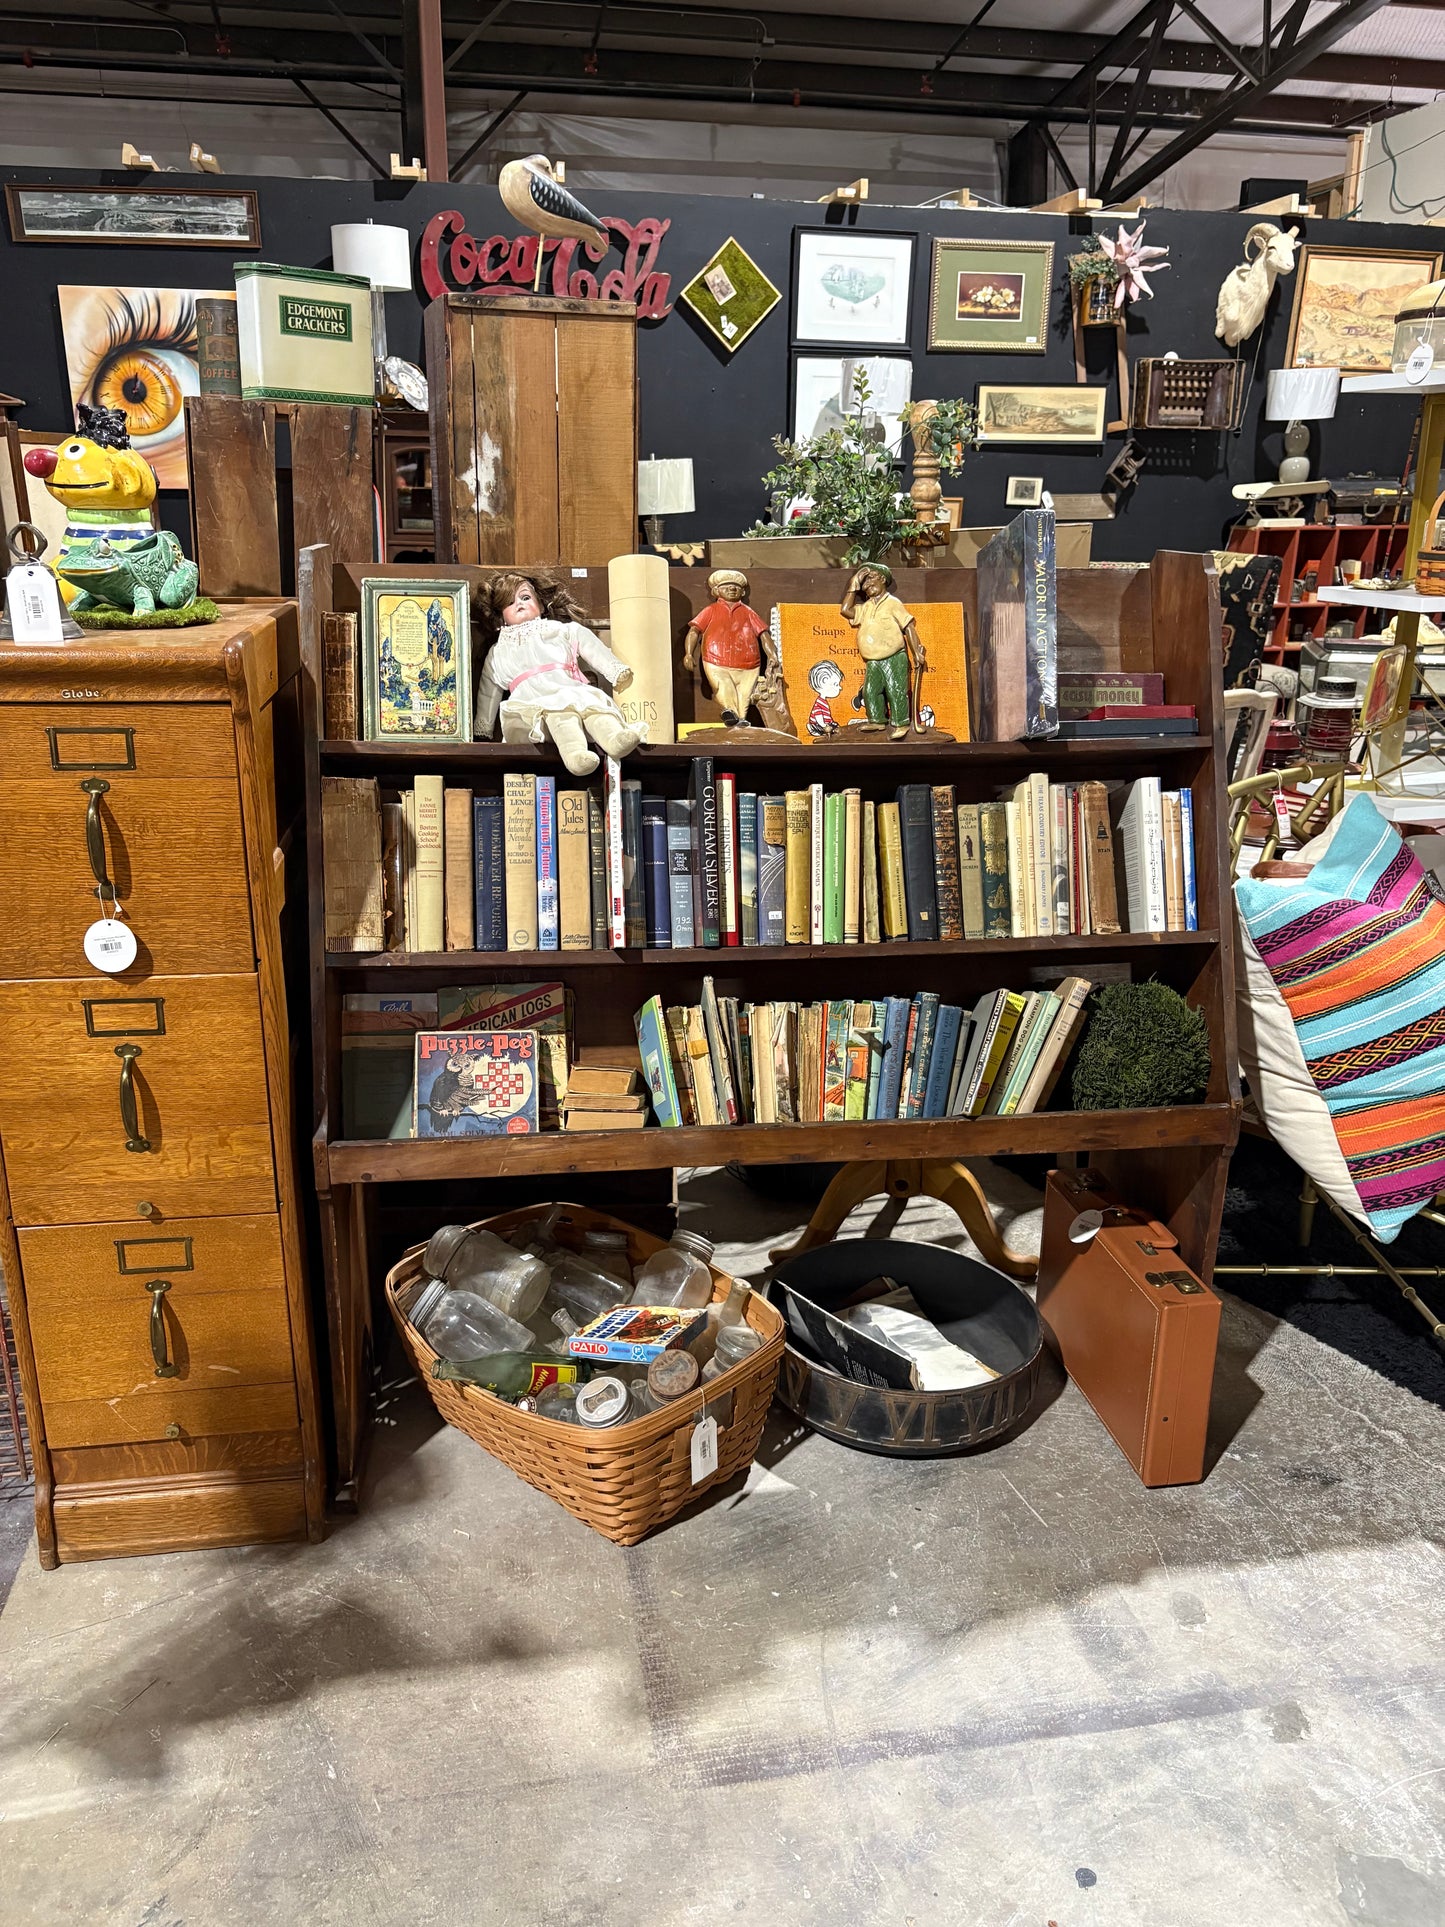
x,y
495,594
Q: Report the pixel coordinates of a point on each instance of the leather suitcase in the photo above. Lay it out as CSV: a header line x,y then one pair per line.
x,y
1136,1330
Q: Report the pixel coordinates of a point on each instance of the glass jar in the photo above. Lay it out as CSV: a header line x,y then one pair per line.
x,y
734,1344
608,1251
477,1260
558,1402
677,1274
462,1324
603,1401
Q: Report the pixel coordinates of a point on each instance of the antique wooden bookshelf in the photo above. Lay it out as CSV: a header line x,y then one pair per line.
x,y
1162,617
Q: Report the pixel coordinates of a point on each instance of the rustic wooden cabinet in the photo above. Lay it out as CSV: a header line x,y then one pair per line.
x,y
149,1228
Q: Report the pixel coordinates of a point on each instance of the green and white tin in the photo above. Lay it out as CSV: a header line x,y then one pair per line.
x,y
305,334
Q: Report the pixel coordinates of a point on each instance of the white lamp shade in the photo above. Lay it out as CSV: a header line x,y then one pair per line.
x,y
1302,394
665,487
382,255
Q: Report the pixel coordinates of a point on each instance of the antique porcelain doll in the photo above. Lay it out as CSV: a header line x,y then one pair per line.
x,y
533,679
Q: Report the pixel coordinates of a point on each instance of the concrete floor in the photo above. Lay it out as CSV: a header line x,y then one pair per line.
x,y
1015,1690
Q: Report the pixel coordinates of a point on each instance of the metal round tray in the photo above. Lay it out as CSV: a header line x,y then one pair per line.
x,y
971,1303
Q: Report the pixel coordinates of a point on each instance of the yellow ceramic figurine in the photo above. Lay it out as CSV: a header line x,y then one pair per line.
x,y
106,488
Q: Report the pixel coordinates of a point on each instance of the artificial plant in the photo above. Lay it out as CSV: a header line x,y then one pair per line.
x,y
1142,1047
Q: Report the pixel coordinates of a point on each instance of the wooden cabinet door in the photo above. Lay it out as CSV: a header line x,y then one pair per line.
x,y
596,436
201,1137
168,824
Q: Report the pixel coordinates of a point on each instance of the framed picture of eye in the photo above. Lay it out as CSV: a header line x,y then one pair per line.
x,y
167,217
135,349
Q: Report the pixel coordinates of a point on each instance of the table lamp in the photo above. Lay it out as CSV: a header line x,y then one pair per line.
x,y
1297,396
663,488
382,256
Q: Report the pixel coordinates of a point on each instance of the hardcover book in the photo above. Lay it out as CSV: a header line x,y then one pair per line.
x,y
633,889
970,870
1018,670
1082,690
597,869
860,1051
519,830
617,918
852,865
940,1066
890,1075
351,842
541,1007
921,1063
548,922
837,1025
817,861
748,867
704,776
1141,851
430,866
460,870
727,838
872,908
890,868
717,1050
772,870
656,894
574,871
797,865
834,849
654,1050
947,881
339,679
915,824
476,1083
679,872
1097,838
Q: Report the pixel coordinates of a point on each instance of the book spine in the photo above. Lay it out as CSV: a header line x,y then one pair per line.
x,y
890,864
549,929
574,879
1081,690
718,1054
796,867
872,927
905,1075
1191,880
1041,854
970,870
852,865
656,1055
1152,850
855,1100
1073,995
834,854
393,876
922,1065
681,1061
772,832
460,870
519,805
679,871
352,847
875,1059
430,865
488,866
1172,838
1078,865
915,824
1019,896
890,1074
727,850
993,854
1045,1013
1063,908
708,856
947,879
612,856
748,867
1040,627
634,901
991,1057
597,869
657,895
816,862
339,706
1096,837
940,1063
837,1024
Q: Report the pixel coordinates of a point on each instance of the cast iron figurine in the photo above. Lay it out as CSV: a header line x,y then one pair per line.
x,y
532,679
892,653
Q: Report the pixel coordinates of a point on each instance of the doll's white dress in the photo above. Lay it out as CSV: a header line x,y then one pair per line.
x,y
532,671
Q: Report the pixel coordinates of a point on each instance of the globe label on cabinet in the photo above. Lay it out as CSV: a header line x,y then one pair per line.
x,y
110,945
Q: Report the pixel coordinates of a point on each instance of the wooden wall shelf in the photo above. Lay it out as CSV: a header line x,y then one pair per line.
x,y
828,760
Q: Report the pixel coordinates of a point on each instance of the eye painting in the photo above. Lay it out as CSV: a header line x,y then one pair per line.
x,y
135,349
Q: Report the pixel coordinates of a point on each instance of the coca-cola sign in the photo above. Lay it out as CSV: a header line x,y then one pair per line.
x,y
451,258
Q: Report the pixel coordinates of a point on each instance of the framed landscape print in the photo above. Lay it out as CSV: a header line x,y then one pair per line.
x,y
416,660
823,395
1010,412
1345,300
731,295
990,295
193,217
852,288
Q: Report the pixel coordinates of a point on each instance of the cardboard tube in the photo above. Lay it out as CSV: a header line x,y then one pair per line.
x,y
642,637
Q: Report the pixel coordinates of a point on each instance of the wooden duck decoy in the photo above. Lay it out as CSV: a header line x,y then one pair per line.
x,y
532,194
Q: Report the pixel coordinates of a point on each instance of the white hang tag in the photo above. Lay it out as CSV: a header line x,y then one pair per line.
x,y
110,945
1283,820
1085,1227
704,1450
1422,360
33,603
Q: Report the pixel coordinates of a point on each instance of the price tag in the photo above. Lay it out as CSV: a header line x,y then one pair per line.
x,y
1422,360
1085,1227
110,945
1283,821
33,602
704,1450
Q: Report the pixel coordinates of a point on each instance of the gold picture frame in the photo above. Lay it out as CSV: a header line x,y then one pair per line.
x,y
1345,301
989,296
416,659
1012,412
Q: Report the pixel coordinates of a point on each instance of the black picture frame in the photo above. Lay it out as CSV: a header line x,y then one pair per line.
x,y
139,233
858,243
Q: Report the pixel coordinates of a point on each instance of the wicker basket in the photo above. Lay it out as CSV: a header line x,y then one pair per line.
x,y
627,1479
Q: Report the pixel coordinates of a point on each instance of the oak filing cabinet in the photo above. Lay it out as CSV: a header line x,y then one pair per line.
x,y
149,1226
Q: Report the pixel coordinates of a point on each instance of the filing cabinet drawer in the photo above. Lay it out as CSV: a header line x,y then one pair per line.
x,y
103,1261
111,1094
145,795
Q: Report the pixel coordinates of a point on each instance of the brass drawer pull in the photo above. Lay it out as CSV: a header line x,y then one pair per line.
x,y
158,1287
95,787
129,1113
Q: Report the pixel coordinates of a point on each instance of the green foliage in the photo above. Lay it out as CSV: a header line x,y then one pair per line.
x,y
1143,1046
202,609
952,432
1089,264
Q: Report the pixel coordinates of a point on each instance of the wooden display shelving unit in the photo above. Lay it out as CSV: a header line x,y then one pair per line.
x,y
1173,1161
1378,547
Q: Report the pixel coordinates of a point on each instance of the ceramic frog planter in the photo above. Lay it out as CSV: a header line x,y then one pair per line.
x,y
105,487
142,577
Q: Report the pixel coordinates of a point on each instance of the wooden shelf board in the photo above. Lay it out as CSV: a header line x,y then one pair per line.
x,y
1046,750
1393,384
395,1160
1407,598
545,961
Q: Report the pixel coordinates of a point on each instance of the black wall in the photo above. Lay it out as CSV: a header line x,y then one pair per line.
x,y
723,409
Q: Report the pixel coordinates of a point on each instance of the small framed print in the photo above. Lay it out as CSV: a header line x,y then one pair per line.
x,y
990,296
952,507
851,287
1025,491
416,660
823,396
1010,412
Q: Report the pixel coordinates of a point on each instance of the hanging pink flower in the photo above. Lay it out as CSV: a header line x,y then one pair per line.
x,y
1131,258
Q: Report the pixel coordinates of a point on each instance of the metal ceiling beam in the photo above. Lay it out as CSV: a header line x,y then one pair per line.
x,y
1292,50
497,120
1130,117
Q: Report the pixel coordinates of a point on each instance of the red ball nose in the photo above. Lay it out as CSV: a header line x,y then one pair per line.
x,y
41,461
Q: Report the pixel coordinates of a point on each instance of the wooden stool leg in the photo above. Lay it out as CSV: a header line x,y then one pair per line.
x,y
956,1186
853,1184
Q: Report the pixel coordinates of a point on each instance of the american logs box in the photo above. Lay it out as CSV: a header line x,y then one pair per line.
x,y
305,334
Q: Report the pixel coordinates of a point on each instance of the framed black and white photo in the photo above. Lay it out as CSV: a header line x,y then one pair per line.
x,y
824,395
852,288
195,217
1025,491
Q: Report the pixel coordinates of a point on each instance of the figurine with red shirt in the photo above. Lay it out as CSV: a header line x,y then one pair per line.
x,y
736,644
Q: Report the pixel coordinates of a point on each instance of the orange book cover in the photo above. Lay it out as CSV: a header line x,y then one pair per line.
x,y
823,672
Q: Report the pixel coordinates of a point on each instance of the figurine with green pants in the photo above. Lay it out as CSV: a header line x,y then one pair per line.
x,y
888,643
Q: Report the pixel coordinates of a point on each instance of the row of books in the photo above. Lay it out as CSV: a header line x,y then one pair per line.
x,y
535,868
727,1062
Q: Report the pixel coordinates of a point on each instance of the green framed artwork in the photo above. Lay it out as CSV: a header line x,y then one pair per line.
x,y
990,295
731,295
416,662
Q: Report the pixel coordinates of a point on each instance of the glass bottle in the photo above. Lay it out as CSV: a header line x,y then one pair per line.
x,y
734,1344
462,1324
677,1274
512,1374
477,1260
